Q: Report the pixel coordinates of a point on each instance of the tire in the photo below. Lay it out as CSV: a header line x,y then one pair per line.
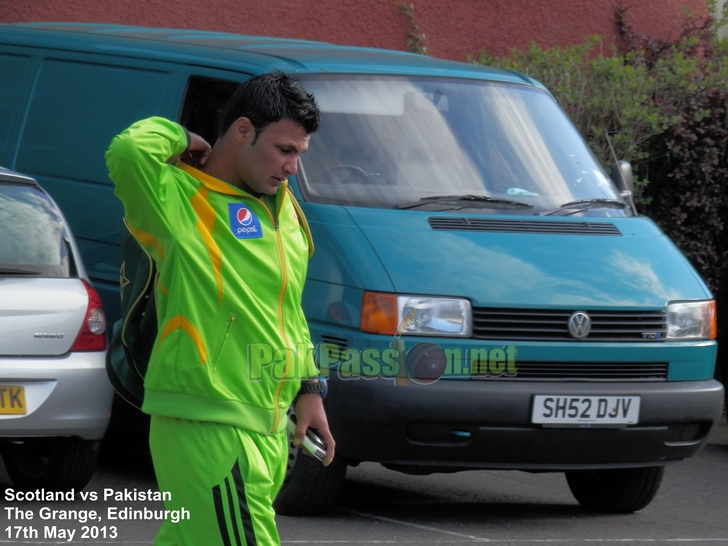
x,y
620,490
54,464
309,488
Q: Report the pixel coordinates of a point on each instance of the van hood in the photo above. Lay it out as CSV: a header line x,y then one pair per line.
x,y
517,261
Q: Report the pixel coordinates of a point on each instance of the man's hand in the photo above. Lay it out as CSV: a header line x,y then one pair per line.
x,y
197,152
310,413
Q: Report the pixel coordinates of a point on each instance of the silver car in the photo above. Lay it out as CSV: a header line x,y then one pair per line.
x,y
55,397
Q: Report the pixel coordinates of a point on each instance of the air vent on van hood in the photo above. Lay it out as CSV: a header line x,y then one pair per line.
x,y
522,226
340,342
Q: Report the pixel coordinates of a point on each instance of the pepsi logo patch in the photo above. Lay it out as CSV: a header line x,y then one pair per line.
x,y
243,223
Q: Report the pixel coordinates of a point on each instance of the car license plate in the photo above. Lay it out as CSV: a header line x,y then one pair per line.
x,y
12,400
578,410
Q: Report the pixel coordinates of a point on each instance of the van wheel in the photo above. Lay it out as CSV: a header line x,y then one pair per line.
x,y
309,487
621,490
55,464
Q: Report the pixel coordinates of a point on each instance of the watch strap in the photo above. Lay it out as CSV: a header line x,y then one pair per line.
x,y
317,386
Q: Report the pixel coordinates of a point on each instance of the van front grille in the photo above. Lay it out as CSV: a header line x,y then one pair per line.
x,y
340,342
552,325
582,371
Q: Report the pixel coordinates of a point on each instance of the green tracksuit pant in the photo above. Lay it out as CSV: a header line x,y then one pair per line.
x,y
226,479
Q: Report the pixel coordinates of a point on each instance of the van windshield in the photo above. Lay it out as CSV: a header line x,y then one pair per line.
x,y
449,144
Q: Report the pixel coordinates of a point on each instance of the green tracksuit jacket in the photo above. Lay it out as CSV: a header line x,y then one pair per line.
x,y
233,342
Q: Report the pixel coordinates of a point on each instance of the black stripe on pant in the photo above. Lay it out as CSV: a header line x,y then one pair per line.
x,y
223,492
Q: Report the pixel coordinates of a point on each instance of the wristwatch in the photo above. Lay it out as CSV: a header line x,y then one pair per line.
x,y
315,386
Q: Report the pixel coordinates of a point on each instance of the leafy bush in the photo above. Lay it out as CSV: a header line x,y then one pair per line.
x,y
600,93
663,104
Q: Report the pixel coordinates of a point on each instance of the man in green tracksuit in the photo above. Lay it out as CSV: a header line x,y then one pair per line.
x,y
233,349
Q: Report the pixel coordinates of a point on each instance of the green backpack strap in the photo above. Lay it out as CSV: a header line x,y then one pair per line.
x,y
133,335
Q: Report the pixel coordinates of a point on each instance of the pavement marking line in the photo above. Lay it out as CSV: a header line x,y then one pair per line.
x,y
536,540
510,541
75,541
417,526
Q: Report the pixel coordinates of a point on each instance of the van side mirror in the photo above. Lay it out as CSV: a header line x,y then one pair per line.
x,y
622,177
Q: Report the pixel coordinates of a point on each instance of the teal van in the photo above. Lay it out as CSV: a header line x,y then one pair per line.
x,y
482,294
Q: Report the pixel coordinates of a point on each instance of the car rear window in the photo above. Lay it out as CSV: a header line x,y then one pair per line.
x,y
34,239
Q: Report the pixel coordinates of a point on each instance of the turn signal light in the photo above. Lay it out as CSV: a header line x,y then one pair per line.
x,y
379,313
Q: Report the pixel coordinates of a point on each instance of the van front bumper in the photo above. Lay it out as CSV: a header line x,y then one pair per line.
x,y
469,424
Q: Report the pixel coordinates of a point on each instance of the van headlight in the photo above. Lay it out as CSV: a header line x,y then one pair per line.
x,y
692,320
391,314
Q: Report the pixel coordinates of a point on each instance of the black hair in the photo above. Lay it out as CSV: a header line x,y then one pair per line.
x,y
269,98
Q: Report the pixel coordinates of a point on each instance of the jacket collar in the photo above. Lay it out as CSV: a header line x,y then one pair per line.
x,y
215,184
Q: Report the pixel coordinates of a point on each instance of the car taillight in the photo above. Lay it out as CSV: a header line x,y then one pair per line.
x,y
92,336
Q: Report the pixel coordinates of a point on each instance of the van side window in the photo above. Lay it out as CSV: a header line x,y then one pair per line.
x,y
16,73
82,106
75,110
203,106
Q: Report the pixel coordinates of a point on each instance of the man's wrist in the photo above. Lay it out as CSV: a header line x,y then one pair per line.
x,y
188,138
317,385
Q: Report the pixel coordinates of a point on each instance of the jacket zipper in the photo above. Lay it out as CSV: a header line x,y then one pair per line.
x,y
282,329
284,284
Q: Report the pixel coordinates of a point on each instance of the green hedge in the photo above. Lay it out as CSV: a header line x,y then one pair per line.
x,y
663,105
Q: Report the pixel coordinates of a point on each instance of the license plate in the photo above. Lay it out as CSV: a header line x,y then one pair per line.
x,y
12,400
578,410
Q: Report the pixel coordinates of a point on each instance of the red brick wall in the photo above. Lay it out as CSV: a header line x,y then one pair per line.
x,y
453,28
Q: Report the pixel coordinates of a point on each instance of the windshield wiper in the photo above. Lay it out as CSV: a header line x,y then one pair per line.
x,y
16,271
585,204
505,203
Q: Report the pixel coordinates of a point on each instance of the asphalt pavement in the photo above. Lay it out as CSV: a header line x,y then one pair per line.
x,y
381,506
719,434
